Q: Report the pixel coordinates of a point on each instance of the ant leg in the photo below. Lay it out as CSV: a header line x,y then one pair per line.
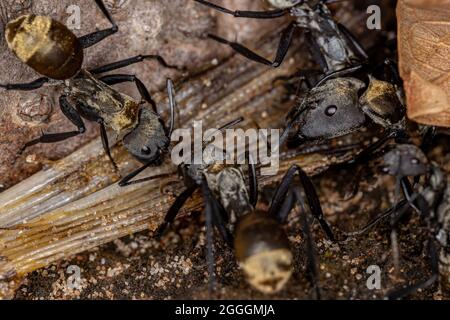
x,y
311,195
434,259
339,73
426,144
281,193
35,84
368,152
283,47
253,184
427,139
127,180
220,219
314,203
285,208
105,143
415,200
394,235
353,187
270,14
402,205
316,52
120,78
310,245
209,234
392,67
172,106
174,210
90,39
130,61
230,124
281,215
253,180
71,114
356,44
307,75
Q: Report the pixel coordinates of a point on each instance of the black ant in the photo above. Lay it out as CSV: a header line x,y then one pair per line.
x,y
432,203
333,106
404,161
260,244
51,49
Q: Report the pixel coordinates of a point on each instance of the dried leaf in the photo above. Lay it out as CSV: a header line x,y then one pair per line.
x,y
424,50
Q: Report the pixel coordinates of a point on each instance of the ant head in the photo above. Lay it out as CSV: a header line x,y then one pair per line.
x,y
148,139
328,111
284,4
405,160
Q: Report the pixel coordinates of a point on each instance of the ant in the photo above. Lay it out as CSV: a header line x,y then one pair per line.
x,y
261,246
432,204
52,50
404,161
333,106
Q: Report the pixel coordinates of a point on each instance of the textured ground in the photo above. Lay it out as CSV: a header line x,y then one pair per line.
x,y
138,267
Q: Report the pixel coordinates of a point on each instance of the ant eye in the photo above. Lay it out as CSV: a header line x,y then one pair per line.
x,y
415,161
331,110
146,150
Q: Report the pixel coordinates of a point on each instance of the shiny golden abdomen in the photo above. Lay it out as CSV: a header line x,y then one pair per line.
x,y
263,253
45,45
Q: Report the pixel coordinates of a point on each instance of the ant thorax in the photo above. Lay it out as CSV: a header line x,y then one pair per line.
x,y
95,98
325,33
228,184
